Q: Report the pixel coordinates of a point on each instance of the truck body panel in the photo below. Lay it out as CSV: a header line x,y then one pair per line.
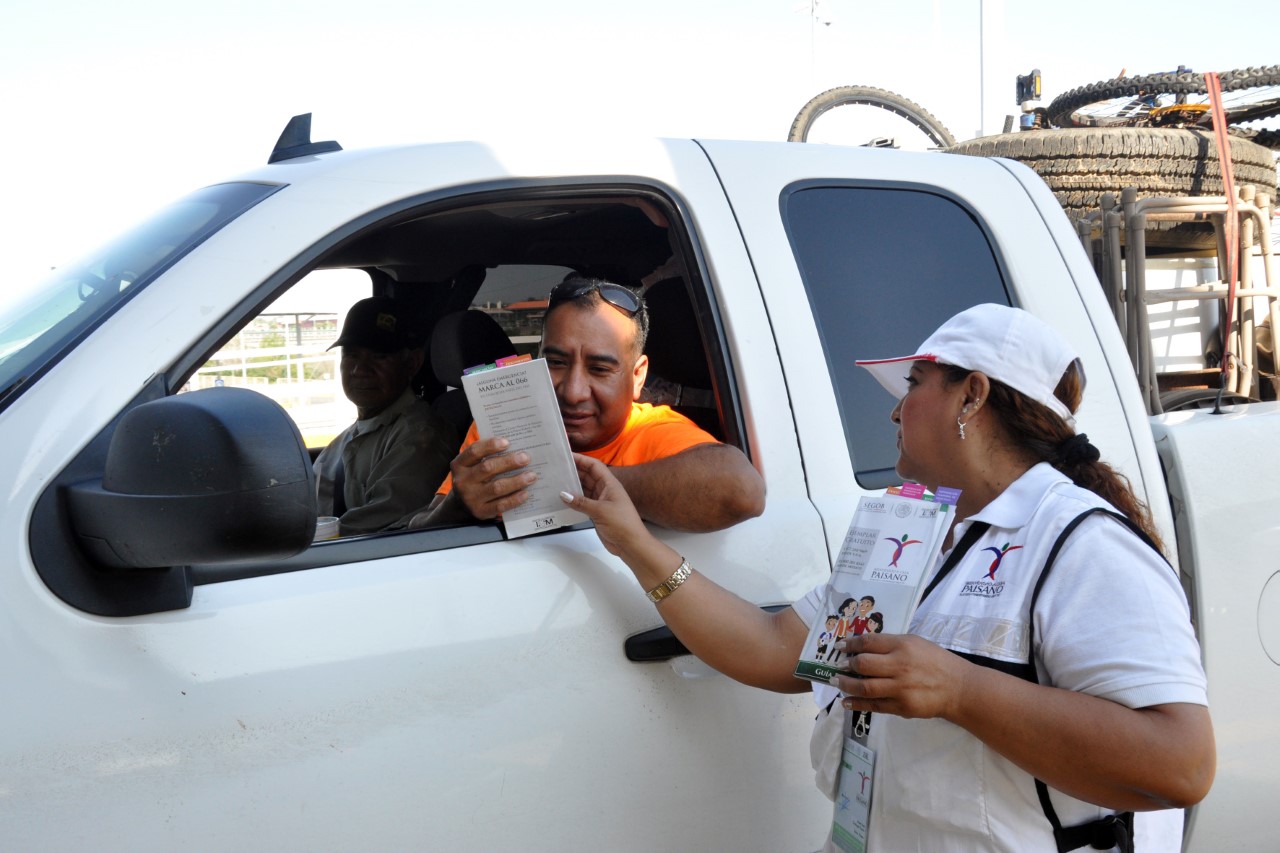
x,y
1218,467
451,689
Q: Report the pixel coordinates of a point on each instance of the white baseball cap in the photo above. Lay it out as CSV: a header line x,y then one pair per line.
x,y
1007,344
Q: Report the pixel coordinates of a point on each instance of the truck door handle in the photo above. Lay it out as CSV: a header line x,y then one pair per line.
x,y
660,644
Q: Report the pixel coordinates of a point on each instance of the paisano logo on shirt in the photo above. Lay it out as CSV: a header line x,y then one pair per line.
x,y
989,586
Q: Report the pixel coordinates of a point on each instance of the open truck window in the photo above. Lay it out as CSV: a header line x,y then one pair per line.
x,y
494,254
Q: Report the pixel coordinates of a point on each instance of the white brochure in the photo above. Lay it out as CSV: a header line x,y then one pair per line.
x,y
518,403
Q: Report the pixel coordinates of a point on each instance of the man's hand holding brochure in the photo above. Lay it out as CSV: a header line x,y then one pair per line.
x,y
514,399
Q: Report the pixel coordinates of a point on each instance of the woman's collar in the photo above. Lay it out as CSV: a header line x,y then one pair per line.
x,y
1014,507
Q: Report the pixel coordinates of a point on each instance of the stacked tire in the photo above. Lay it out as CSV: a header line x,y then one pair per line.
x,y
1081,164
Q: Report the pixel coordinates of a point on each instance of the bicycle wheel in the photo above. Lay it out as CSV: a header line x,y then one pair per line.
x,y
1266,137
1081,164
867,96
1168,100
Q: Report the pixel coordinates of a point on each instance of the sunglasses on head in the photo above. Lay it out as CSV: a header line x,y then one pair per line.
x,y
615,294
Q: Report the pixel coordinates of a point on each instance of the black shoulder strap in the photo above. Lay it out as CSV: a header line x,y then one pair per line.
x,y
1105,833
1115,830
1070,528
976,529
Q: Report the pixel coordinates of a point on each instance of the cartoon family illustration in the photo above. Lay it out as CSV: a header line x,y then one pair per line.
x,y
855,617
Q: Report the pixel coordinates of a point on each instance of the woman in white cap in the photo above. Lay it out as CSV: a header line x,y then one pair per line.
x,y
1005,720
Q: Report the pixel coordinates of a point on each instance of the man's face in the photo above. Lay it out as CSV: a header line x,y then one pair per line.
x,y
864,606
373,380
597,373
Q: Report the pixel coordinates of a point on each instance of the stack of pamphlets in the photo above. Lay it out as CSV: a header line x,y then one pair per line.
x,y
892,543
514,399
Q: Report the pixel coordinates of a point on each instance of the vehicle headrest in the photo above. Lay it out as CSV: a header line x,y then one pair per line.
x,y
464,339
675,343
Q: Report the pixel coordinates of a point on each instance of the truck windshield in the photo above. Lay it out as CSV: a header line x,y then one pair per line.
x,y
38,329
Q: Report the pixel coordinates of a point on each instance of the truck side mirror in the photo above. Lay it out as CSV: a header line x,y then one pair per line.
x,y
209,476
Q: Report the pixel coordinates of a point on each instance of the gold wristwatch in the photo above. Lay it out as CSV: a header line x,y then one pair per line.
x,y
671,584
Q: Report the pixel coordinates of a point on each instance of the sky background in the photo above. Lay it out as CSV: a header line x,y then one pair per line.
x,y
110,110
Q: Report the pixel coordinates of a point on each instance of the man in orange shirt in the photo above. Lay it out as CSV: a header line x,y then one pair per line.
x,y
677,474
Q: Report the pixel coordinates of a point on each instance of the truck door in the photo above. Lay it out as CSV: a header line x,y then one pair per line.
x,y
433,689
861,253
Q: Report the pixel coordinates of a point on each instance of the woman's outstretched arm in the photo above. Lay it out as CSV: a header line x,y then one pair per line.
x,y
726,632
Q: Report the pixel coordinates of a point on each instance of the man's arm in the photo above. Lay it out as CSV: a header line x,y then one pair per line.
x,y
706,487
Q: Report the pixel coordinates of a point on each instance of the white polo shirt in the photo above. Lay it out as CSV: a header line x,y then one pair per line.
x,y
1111,621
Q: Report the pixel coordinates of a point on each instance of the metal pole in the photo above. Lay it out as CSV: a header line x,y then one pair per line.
x,y
982,67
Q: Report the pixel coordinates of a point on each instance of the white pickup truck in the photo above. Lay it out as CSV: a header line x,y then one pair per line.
x,y
183,668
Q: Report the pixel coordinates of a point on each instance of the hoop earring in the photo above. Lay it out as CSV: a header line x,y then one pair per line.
x,y
960,424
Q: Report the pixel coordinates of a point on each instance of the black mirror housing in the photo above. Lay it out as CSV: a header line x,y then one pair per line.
x,y
211,476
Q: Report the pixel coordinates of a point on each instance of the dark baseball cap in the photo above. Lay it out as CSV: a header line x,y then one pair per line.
x,y
377,323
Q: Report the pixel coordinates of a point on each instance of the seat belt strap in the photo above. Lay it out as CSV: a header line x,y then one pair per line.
x,y
339,489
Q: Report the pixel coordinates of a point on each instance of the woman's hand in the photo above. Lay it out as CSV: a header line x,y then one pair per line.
x,y
903,675
606,503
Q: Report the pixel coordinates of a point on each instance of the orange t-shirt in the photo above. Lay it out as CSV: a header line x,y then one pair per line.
x,y
652,432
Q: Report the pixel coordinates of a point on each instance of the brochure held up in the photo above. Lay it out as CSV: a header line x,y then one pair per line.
x,y
514,399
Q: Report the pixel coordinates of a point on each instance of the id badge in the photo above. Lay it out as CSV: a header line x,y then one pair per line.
x,y
853,798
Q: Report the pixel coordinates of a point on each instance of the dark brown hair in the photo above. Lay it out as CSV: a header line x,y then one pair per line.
x,y
1040,432
587,292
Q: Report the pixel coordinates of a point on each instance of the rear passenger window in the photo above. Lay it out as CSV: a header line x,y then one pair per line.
x,y
285,352
863,254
